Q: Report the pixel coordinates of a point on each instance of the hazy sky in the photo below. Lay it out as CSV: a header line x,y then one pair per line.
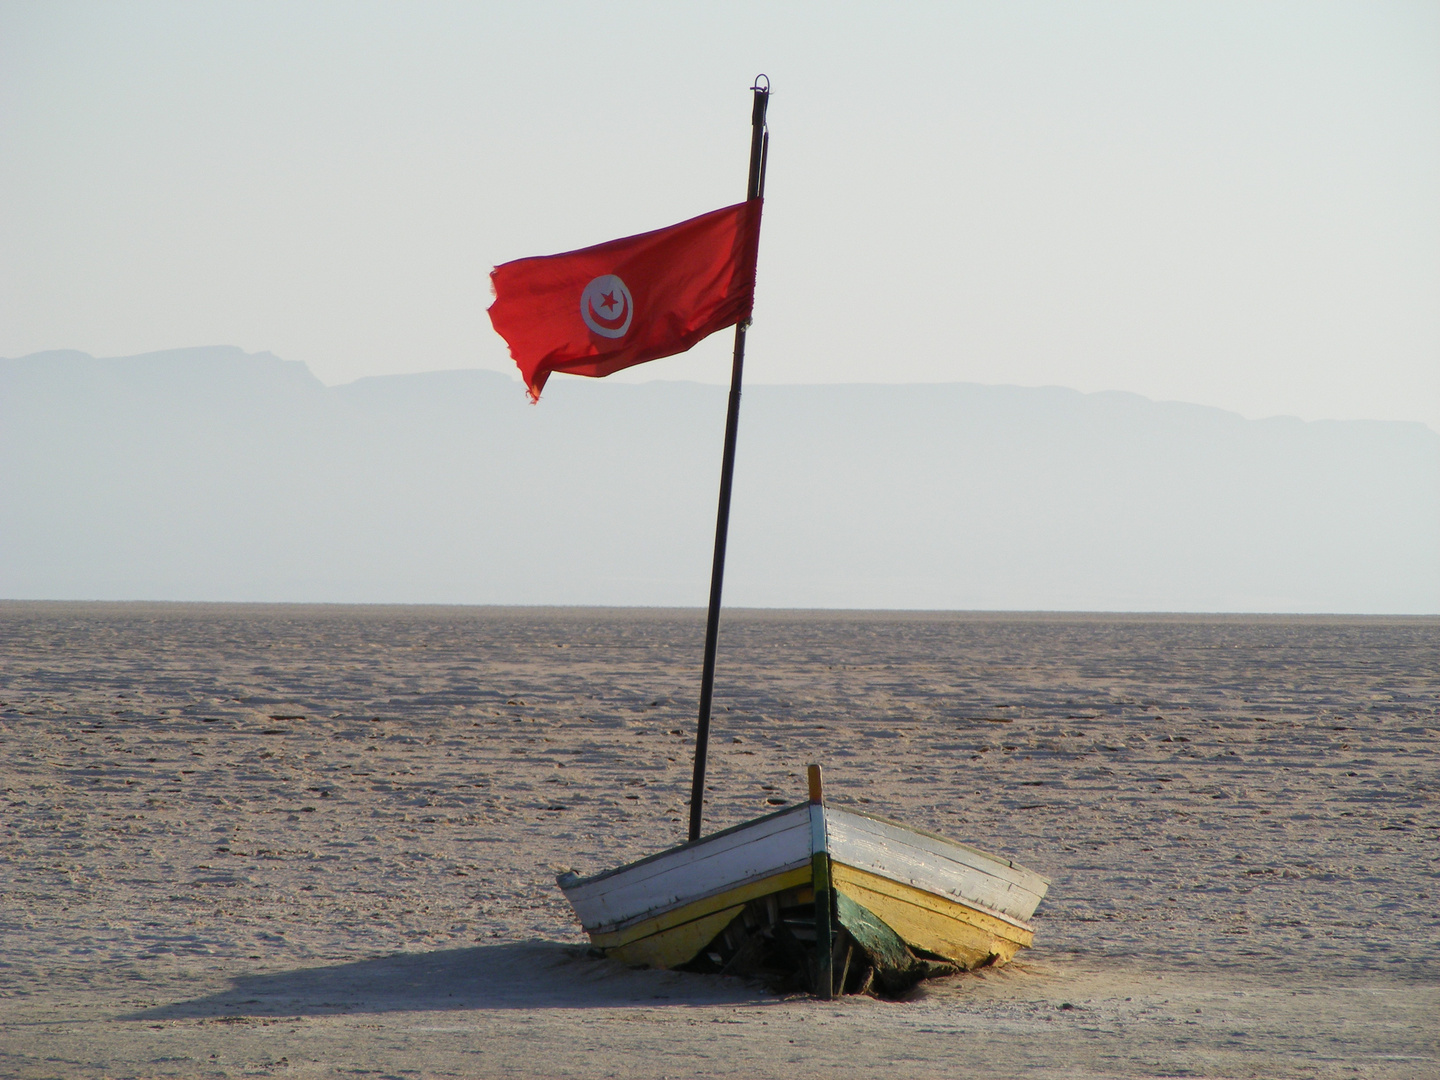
x,y
1232,204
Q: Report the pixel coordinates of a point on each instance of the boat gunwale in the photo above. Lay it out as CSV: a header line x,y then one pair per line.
x,y
676,905
567,886
1011,863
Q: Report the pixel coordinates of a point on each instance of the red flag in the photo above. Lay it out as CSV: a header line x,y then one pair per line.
x,y
603,308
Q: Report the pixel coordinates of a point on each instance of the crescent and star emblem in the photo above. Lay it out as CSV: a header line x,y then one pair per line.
x,y
606,306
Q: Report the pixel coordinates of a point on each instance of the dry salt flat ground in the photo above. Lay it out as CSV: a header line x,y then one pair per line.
x,y
321,841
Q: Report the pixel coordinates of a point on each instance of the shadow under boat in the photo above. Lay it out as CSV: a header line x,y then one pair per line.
x,y
813,898
526,975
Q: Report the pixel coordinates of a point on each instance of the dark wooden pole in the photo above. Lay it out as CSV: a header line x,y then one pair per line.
x,y
759,144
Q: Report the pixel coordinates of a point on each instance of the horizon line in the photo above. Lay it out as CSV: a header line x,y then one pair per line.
x,y
741,609
516,379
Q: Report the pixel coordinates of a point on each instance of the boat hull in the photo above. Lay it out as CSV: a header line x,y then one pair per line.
x,y
898,903
953,930
676,937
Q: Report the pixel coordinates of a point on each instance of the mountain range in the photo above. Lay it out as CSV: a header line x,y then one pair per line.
x,y
213,474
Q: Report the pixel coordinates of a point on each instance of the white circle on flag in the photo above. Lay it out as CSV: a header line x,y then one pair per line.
x,y
606,306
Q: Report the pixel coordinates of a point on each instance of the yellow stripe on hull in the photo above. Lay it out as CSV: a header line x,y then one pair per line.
x,y
676,945
674,937
934,923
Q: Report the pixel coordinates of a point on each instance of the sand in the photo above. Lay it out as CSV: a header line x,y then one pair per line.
x,y
321,841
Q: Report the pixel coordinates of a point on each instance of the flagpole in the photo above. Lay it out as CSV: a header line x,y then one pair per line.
x,y
759,145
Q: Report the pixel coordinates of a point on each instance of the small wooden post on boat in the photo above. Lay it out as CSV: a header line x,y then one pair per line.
x,y
820,882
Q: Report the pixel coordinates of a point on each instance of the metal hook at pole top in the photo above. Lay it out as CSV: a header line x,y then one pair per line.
x,y
763,89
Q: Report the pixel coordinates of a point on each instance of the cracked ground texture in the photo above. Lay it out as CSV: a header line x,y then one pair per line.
x,y
322,841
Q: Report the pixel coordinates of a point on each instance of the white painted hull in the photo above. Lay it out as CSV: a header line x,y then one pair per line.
x,y
663,909
936,865
709,867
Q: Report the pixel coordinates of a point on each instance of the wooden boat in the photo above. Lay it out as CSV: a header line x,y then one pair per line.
x,y
813,897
